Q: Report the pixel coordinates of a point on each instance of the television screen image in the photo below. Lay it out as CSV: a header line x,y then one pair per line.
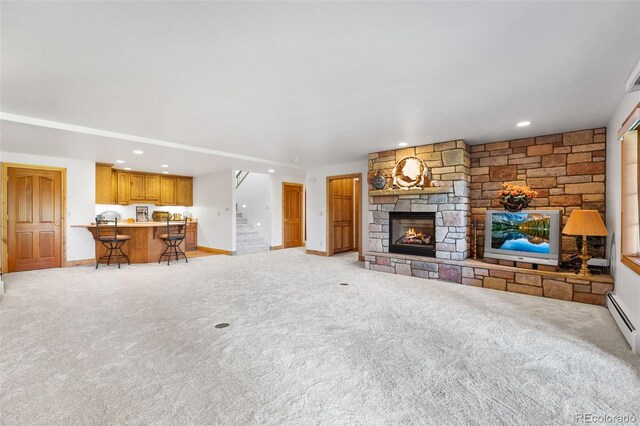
x,y
527,232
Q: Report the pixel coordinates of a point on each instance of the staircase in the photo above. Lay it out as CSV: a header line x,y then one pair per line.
x,y
248,239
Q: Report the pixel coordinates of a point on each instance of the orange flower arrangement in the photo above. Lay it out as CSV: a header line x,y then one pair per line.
x,y
515,197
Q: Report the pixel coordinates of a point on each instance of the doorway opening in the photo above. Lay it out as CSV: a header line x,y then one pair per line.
x,y
33,220
344,214
292,215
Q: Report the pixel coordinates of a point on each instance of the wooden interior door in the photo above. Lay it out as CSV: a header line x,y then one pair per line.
x,y
342,213
34,221
291,215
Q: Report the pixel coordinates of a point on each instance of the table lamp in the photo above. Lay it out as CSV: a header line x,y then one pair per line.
x,y
585,223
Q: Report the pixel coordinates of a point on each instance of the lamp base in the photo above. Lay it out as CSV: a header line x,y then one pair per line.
x,y
584,256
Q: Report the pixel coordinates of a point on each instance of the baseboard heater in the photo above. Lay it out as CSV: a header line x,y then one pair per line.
x,y
624,323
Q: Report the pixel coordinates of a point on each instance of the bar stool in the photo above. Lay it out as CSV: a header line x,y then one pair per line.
x,y
173,242
111,241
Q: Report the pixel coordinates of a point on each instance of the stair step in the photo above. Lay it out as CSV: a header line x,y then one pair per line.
x,y
247,231
252,248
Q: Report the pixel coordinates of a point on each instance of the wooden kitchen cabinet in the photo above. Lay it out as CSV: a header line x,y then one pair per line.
x,y
167,191
124,188
103,184
137,187
114,187
191,238
184,191
152,188
144,188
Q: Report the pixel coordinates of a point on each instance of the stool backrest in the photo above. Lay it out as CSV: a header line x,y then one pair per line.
x,y
176,224
103,230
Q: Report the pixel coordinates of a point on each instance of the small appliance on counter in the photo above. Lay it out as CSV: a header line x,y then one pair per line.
x,y
159,216
177,216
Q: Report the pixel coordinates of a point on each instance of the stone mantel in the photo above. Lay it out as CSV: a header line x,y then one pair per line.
x,y
401,192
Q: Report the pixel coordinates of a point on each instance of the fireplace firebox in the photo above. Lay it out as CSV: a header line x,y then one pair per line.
x,y
412,233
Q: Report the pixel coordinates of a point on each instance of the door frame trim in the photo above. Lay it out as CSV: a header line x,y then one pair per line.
x,y
303,213
5,223
357,217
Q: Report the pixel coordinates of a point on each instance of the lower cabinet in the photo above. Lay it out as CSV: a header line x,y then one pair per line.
x,y
191,238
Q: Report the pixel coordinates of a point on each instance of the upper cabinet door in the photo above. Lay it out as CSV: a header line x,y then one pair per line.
x,y
152,188
114,187
124,187
103,184
137,187
167,191
184,191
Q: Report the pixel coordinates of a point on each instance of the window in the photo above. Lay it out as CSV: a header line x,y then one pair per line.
x,y
630,219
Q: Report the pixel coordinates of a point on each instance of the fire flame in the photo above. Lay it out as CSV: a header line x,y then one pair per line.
x,y
411,233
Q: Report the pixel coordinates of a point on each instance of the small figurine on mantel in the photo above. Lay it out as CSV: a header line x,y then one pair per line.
x,y
379,181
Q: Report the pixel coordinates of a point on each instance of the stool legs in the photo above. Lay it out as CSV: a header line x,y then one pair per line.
x,y
173,249
111,250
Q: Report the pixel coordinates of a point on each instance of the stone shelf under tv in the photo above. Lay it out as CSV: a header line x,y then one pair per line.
x,y
430,190
481,263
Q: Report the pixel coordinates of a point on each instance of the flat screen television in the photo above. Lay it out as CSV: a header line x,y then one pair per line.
x,y
531,236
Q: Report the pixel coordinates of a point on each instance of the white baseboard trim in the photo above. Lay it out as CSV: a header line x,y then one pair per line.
x,y
626,326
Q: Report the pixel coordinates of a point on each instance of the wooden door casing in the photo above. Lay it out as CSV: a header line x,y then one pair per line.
x,y
346,234
34,219
342,214
292,215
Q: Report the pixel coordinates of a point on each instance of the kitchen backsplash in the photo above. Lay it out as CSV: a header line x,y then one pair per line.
x,y
129,211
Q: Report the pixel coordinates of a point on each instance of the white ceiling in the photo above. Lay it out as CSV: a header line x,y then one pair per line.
x,y
322,82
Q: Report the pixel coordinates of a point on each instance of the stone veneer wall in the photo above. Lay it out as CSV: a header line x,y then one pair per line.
x,y
567,170
449,163
555,285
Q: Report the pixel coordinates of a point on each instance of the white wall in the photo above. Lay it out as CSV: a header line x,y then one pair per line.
x,y
316,183
253,199
627,283
214,207
276,206
80,199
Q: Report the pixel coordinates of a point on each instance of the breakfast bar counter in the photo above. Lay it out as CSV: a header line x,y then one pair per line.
x,y
145,245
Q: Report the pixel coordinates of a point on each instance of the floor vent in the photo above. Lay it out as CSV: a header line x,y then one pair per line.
x,y
344,283
222,325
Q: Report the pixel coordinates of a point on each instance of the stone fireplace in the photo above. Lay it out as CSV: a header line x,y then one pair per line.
x,y
426,232
412,233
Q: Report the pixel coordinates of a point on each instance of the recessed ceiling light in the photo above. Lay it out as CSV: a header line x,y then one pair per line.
x,y
119,161
165,173
139,152
295,160
127,168
523,124
164,166
403,144
271,171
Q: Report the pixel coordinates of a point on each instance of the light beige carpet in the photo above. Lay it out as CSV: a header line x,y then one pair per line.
x,y
138,346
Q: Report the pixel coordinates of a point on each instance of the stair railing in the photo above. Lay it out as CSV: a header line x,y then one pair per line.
x,y
240,177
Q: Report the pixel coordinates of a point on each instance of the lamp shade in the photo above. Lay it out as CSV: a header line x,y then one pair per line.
x,y
585,222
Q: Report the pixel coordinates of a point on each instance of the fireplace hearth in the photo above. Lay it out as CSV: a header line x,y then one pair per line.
x,y
412,233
